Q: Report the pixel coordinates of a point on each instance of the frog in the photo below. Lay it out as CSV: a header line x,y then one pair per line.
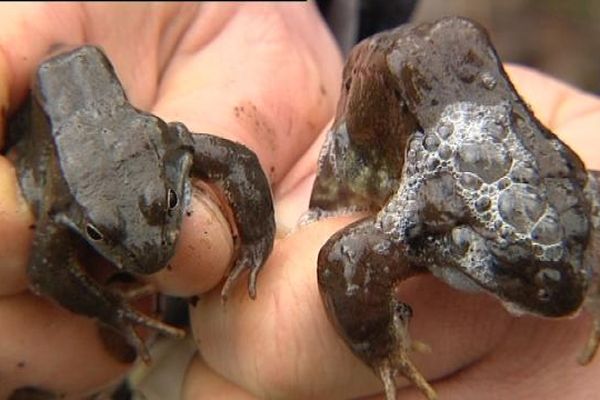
x,y
99,173
455,177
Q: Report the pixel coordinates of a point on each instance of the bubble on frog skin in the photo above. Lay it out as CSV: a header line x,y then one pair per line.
x,y
483,203
445,130
444,151
411,155
521,206
432,163
553,252
488,80
547,230
489,160
431,142
470,181
503,183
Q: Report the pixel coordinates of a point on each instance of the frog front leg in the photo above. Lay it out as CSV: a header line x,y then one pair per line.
x,y
55,271
359,269
236,171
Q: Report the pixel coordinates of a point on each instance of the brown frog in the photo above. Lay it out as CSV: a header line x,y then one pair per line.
x,y
461,180
96,170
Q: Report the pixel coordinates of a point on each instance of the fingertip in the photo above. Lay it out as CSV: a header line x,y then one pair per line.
x,y
204,251
48,347
16,223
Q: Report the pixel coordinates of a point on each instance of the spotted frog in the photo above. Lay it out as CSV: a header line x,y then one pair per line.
x,y
96,170
460,179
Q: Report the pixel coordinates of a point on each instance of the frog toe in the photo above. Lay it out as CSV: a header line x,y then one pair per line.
x,y
128,317
251,257
397,361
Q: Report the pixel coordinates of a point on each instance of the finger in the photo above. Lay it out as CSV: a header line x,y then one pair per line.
x,y
269,80
46,347
202,383
275,101
535,359
15,217
30,31
203,254
244,340
569,112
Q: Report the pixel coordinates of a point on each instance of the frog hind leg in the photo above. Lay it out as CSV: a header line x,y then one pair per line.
x,y
236,171
359,269
55,272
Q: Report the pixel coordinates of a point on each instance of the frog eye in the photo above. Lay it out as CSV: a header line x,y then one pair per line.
x,y
172,199
93,233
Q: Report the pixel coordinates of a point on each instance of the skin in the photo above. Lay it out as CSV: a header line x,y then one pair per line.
x,y
243,342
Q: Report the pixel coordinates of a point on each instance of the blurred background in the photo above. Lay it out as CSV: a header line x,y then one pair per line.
x,y
559,37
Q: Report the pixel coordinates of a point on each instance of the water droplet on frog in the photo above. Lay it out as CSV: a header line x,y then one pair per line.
x,y
444,151
489,160
432,163
471,181
411,155
445,130
482,203
431,142
547,231
521,206
488,80
504,183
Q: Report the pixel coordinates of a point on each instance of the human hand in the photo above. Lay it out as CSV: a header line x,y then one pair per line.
x,y
265,75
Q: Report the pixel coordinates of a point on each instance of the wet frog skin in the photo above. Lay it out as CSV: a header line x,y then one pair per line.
x,y
461,180
95,169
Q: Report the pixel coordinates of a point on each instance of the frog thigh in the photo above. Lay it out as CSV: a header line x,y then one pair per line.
x,y
236,171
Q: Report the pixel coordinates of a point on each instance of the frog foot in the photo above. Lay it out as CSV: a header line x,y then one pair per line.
x,y
398,362
127,317
250,257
